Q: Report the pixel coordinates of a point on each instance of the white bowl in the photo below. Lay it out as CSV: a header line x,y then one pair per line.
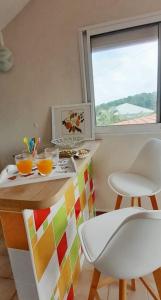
x,y
68,143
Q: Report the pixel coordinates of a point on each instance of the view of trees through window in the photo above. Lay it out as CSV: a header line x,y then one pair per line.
x,y
125,84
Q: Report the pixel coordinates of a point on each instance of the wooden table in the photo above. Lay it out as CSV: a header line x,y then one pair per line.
x,y
40,224
40,195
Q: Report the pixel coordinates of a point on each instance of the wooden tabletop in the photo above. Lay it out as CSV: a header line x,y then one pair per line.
x,y
40,195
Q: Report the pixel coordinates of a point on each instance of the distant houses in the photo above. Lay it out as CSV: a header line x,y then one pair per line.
x,y
128,110
134,107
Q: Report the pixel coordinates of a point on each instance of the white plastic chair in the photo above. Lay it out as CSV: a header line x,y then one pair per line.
x,y
143,178
124,244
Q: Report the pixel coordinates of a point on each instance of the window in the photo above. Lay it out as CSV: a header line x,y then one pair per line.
x,y
122,74
125,67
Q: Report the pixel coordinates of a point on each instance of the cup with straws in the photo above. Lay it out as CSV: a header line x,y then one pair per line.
x,y
32,145
43,161
25,162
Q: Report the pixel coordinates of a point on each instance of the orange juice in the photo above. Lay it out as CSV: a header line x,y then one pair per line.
x,y
45,166
24,163
24,166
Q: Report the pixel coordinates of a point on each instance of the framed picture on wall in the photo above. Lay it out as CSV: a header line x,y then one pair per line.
x,y
72,122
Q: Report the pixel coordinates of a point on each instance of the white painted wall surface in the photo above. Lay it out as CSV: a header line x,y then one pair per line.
x,y
44,40
9,9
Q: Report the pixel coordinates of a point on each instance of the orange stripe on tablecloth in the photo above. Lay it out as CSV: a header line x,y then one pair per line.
x,y
43,251
14,230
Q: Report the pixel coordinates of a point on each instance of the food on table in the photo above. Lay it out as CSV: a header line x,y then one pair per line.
x,y
67,153
12,177
27,175
82,153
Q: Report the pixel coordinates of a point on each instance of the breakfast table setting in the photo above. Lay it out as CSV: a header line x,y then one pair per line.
x,y
37,163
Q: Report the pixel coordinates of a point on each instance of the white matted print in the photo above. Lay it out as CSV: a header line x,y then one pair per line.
x,y
72,121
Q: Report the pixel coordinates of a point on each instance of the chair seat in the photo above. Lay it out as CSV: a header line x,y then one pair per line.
x,y
96,232
133,185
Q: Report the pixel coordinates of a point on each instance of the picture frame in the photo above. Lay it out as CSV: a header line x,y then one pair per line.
x,y
72,122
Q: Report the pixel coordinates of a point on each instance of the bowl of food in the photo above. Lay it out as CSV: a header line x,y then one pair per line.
x,y
67,153
82,153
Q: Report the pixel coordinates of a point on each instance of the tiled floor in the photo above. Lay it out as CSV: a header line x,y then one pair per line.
x,y
8,290
7,286
110,293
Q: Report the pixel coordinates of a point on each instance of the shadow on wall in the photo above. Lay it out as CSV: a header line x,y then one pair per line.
x,y
7,158
1,166
47,129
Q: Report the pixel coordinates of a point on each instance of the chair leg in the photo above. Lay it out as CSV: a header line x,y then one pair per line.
x,y
118,202
139,201
136,201
157,278
154,202
133,285
94,284
149,288
122,289
132,201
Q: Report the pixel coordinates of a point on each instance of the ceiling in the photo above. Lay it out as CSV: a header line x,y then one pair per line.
x,y
9,9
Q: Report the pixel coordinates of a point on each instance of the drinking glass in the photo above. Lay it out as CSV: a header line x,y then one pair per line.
x,y
44,163
24,163
54,152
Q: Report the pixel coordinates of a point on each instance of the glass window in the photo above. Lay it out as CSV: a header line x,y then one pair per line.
x,y
125,76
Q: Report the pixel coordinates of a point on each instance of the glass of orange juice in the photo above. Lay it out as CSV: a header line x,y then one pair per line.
x,y
24,163
54,152
44,163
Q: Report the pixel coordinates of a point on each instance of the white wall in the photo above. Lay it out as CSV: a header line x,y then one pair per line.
x,y
9,9
44,39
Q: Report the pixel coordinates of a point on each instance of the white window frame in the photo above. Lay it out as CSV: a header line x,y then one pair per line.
x,y
85,34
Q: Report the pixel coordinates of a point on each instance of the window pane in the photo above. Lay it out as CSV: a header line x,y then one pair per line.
x,y
125,83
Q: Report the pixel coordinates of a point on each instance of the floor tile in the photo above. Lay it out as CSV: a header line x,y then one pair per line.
x,y
111,293
8,290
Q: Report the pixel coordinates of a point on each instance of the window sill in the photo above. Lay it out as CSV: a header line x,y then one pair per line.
x,y
102,132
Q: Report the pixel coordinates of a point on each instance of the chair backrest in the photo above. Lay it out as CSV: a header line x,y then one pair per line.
x,y
134,250
148,161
